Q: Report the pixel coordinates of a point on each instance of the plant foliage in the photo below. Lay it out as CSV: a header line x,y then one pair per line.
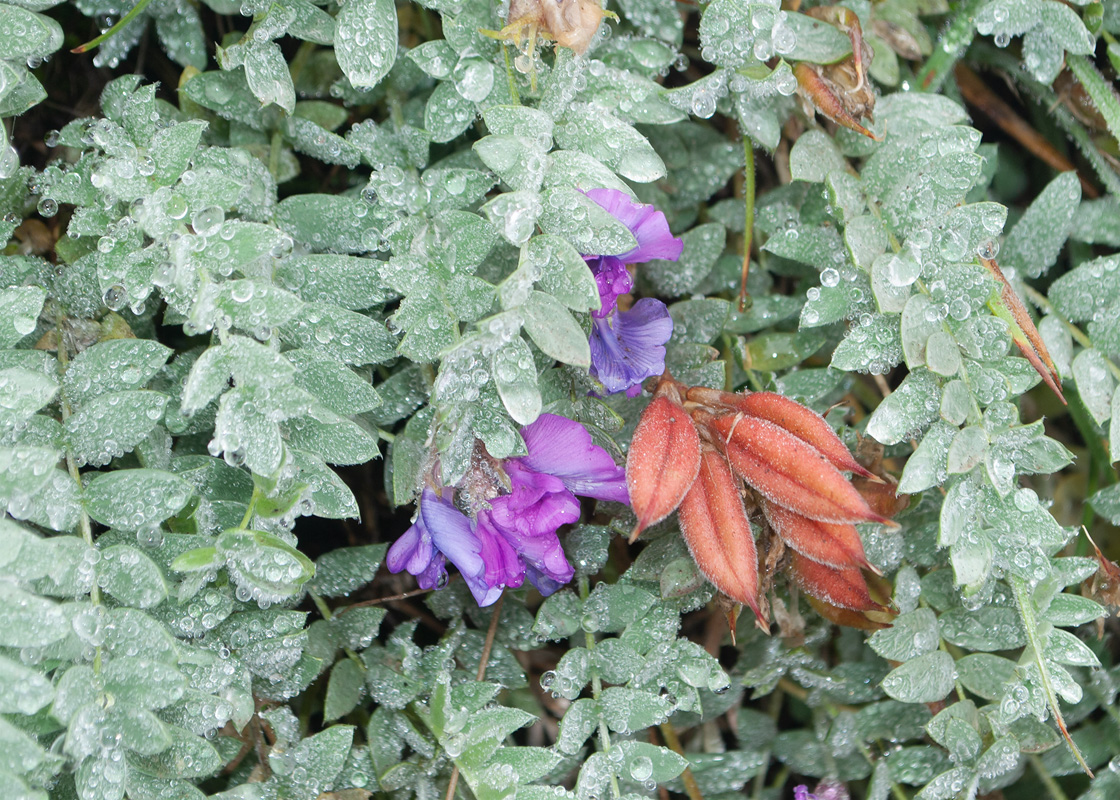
x,y
300,258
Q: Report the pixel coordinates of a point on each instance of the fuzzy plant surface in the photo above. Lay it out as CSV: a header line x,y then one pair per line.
x,y
405,399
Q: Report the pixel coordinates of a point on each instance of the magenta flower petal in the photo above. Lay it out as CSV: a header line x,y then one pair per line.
x,y
648,225
613,279
562,447
629,346
503,564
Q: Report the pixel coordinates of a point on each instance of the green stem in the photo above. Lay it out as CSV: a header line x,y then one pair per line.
x,y
597,687
274,149
513,93
245,520
84,523
748,219
136,11
949,48
1025,604
1047,779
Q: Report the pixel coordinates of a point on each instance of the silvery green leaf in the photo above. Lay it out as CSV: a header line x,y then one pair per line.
x,y
1097,222
515,375
1033,244
337,440
1065,648
555,331
1091,287
927,678
27,620
310,23
562,272
266,71
972,559
330,222
942,355
911,635
518,160
311,139
702,246
817,41
518,121
23,92
336,386
345,689
574,169
916,329
629,710
611,141
345,281
366,40
135,498
112,366
967,449
21,310
227,94
874,347
447,113
111,425
1095,384
1071,610
248,304
345,570
985,675
24,471
908,409
926,467
27,34
28,691
514,215
25,392
437,58
589,227
131,577
330,497
144,682
989,629
345,335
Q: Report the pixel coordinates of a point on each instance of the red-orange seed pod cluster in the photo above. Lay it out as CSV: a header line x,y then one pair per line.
x,y
695,448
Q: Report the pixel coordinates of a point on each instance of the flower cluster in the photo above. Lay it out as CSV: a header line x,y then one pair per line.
x,y
510,533
694,447
629,346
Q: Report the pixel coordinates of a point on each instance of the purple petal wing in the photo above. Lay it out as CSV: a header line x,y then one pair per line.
x,y
503,567
613,279
562,447
412,552
629,346
648,225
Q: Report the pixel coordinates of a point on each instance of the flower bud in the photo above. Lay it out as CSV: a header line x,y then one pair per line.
x,y
790,472
845,588
717,532
834,544
664,459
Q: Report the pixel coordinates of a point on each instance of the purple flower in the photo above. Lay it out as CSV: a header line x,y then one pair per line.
x,y
516,536
440,534
629,346
826,790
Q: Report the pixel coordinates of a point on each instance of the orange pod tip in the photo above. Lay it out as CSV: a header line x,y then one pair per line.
x,y
789,472
663,460
804,423
844,588
835,544
718,534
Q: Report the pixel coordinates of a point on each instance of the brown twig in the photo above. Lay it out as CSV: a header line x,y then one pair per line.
x,y
379,600
691,787
976,93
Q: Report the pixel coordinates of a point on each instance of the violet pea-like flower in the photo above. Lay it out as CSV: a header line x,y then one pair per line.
x,y
629,346
515,537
